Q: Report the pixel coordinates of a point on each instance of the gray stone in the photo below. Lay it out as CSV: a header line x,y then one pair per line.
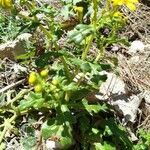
x,y
12,49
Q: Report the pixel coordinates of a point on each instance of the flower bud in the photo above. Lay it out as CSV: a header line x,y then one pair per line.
x,y
38,88
44,73
32,78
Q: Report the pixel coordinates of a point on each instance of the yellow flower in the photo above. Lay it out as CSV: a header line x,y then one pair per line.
x,y
38,88
131,4
79,12
55,82
118,14
78,9
44,73
6,3
118,2
32,78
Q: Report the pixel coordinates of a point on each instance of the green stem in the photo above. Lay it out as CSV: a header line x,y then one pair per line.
x,y
95,8
7,125
100,54
49,36
86,50
68,74
67,96
93,22
57,48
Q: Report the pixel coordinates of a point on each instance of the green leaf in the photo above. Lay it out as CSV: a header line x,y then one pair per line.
x,y
93,108
84,123
53,128
107,131
79,33
29,142
60,127
119,134
85,67
99,78
105,66
2,146
34,100
27,55
95,135
46,59
50,128
2,100
44,10
144,136
71,87
105,146
79,94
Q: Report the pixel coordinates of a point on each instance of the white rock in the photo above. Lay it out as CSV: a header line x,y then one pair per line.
x,y
136,46
40,16
134,59
51,145
11,49
115,48
113,85
18,68
147,97
24,13
24,37
147,47
113,91
128,106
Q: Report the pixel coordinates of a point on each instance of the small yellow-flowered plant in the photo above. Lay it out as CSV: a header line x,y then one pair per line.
x,y
131,4
6,3
79,12
32,78
78,9
118,14
38,88
38,80
44,73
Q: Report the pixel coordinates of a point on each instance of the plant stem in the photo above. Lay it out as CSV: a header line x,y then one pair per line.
x,y
95,8
66,69
100,54
86,50
91,37
45,32
57,48
7,125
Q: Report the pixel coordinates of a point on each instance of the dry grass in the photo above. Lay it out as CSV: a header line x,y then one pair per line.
x,y
138,23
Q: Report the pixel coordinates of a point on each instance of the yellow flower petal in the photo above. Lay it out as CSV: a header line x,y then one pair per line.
x,y
134,1
8,3
118,14
38,88
118,2
44,73
32,78
131,6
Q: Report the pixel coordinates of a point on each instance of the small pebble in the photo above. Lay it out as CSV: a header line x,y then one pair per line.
x,y
136,47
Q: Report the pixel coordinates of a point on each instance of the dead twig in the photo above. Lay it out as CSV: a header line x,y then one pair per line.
x,y
12,85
